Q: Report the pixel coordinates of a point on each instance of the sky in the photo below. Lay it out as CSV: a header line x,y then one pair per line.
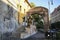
x,y
44,3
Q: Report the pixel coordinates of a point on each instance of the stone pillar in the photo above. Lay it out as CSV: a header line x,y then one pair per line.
x,y
46,22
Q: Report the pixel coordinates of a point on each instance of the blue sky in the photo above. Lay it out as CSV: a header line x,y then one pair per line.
x,y
44,3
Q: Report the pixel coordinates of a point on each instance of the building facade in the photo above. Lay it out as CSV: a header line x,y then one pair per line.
x,y
17,7
55,15
24,7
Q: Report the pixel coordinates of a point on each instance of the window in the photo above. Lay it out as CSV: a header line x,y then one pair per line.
x,y
10,11
58,9
24,10
20,8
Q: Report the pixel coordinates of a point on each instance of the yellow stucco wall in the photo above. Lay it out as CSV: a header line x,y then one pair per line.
x,y
24,5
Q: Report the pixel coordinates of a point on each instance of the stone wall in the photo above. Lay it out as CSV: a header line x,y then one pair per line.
x,y
3,10
6,15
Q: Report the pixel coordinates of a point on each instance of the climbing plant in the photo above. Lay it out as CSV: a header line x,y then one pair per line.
x,y
37,20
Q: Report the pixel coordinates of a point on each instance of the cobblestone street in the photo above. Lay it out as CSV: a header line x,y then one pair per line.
x,y
37,36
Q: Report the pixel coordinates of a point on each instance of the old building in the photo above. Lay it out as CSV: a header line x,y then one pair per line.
x,y
24,7
18,8
15,9
55,15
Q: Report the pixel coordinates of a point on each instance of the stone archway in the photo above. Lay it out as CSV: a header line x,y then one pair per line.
x,y
42,11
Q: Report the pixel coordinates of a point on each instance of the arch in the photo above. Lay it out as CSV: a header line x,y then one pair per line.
x,y
42,11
